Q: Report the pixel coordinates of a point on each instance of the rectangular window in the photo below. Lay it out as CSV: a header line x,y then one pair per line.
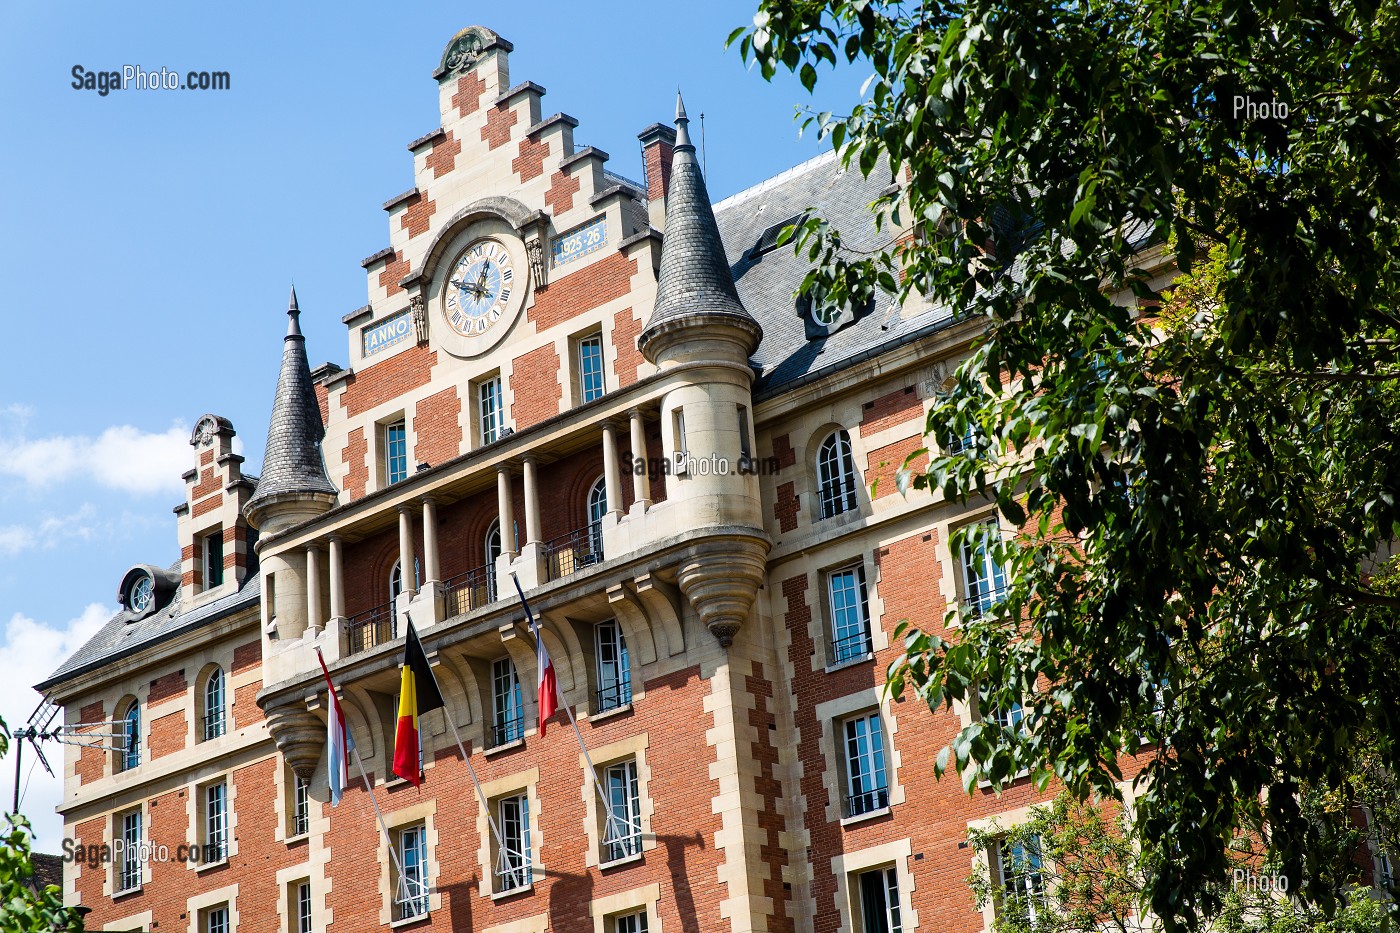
x,y
867,784
879,901
215,822
395,452
623,829
590,368
214,559
508,723
490,409
301,807
411,899
745,446
129,870
614,668
302,907
1008,718
216,919
1022,880
850,616
984,578
678,430
513,862
630,923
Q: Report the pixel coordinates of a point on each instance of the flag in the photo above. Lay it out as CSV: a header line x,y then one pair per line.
x,y
548,685
418,693
339,743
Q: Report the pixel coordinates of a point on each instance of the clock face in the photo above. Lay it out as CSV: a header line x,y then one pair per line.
x,y
478,288
139,598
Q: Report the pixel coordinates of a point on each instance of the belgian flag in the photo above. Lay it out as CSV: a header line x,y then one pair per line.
x,y
418,694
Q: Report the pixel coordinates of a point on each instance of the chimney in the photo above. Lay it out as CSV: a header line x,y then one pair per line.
x,y
658,141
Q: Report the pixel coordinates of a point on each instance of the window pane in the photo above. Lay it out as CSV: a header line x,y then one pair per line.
x,y
1023,885
866,779
131,856
214,705
508,705
395,452
850,627
304,907
217,920
836,475
301,807
614,669
489,406
214,560
131,756
622,833
413,853
590,367
513,861
984,578
215,822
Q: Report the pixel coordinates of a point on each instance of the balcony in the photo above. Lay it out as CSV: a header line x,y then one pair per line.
x,y
468,591
867,801
571,552
365,630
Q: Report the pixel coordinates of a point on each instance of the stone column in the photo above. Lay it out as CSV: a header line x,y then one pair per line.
x,y
314,619
532,502
406,576
337,579
432,567
505,508
611,477
641,479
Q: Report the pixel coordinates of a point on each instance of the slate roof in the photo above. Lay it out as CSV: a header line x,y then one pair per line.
x,y
766,283
693,278
120,637
292,461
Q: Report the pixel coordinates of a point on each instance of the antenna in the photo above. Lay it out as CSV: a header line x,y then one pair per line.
x,y
704,160
40,728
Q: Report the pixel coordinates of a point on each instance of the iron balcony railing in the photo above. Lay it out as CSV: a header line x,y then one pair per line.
x,y
624,838
130,876
514,869
850,647
212,725
412,903
985,600
867,801
470,590
301,822
570,553
618,695
507,730
364,630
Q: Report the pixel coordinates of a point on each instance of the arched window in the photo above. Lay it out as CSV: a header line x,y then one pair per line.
x,y
396,579
213,725
597,508
493,551
836,475
130,754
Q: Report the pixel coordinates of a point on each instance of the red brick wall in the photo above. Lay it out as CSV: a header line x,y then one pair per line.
x,y
886,461
535,388
246,657
166,686
626,329
417,214
354,457
91,760
568,296
437,427
443,157
891,409
396,376
167,734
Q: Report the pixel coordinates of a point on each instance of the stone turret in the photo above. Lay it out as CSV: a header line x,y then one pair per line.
x,y
700,330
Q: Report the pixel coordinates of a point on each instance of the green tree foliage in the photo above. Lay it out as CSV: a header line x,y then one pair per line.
x,y
22,908
1086,876
1200,498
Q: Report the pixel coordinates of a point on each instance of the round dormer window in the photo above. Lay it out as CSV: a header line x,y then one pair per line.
x,y
140,595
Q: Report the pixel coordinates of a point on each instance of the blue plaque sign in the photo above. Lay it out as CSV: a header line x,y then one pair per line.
x,y
580,241
384,334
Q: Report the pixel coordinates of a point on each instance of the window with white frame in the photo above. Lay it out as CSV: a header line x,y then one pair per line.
x,y
215,823
513,858
1022,877
614,667
129,753
300,905
597,508
635,922
213,722
490,409
590,368
395,452
867,778
878,895
301,806
507,704
984,578
850,613
1011,718
493,551
216,920
836,475
411,893
129,868
622,829
214,559
396,578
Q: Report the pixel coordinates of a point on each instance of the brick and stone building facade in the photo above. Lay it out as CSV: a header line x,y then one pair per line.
x,y
539,332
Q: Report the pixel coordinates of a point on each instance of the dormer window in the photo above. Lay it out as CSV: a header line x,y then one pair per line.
x,y
214,559
140,595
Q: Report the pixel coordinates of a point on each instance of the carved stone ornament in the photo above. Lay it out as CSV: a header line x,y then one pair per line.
x,y
538,267
204,431
420,317
462,54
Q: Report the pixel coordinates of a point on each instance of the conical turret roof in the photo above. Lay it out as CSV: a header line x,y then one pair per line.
x,y
292,464
695,280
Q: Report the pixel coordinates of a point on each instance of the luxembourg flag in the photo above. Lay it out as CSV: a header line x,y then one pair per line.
x,y
339,743
548,686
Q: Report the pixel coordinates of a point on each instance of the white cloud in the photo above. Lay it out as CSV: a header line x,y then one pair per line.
x,y
32,650
49,532
122,457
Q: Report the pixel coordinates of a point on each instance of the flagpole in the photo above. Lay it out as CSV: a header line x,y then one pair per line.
x,y
563,701
481,794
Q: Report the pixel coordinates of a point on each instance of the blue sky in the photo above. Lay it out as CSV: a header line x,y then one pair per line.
x,y
151,237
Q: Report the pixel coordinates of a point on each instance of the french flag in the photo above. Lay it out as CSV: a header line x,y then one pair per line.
x,y
548,686
339,744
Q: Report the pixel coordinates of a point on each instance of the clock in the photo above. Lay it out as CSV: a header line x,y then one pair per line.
x,y
478,288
